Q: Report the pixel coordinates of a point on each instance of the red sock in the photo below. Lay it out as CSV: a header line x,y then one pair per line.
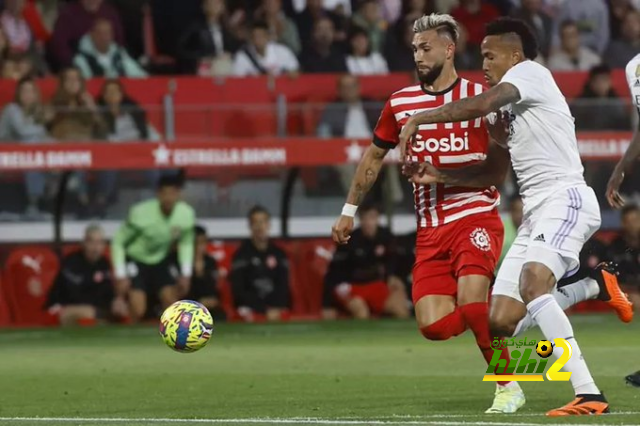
x,y
446,327
476,316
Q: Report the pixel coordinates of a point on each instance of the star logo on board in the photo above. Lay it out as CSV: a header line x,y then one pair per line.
x,y
162,155
354,152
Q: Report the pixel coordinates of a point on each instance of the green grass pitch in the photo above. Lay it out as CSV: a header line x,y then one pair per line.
x,y
353,373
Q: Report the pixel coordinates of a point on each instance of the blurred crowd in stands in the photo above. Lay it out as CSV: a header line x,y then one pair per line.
x,y
135,38
370,277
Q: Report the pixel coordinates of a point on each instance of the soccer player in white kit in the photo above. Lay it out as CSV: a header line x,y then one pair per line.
x,y
625,164
560,211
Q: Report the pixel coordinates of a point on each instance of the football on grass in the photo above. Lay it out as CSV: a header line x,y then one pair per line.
x,y
186,326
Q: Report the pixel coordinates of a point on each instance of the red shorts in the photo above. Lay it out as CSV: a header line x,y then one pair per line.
x,y
375,294
468,246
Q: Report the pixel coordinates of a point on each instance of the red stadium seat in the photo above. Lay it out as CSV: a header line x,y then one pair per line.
x,y
314,259
223,252
29,274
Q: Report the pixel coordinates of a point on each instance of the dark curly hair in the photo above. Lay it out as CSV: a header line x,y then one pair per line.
x,y
519,28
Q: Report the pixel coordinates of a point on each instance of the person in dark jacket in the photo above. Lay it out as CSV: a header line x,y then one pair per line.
x,y
207,40
361,276
83,289
323,54
260,273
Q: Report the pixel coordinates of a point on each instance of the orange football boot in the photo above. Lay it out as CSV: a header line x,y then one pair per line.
x,y
583,405
606,276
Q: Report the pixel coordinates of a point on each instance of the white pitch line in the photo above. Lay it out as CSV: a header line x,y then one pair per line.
x,y
268,421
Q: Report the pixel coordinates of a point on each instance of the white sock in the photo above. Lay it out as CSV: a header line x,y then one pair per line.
x,y
553,322
566,297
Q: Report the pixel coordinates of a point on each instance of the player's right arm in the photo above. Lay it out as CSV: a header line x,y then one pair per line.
x,y
385,138
633,152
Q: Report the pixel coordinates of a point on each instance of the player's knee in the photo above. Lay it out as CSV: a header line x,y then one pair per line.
x,y
501,325
534,281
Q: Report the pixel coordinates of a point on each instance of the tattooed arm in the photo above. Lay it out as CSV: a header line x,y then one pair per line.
x,y
366,175
484,174
463,110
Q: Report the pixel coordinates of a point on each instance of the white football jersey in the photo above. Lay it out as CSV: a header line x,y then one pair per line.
x,y
543,145
633,79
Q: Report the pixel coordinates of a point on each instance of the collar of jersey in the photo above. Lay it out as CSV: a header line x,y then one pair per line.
x,y
442,92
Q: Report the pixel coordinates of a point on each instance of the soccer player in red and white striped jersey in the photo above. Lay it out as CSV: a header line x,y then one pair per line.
x,y
460,233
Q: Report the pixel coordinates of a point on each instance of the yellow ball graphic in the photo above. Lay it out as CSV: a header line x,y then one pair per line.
x,y
186,326
544,348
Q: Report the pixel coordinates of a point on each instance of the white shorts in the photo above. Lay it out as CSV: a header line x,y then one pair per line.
x,y
553,234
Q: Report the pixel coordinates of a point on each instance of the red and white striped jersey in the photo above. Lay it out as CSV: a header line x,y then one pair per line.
x,y
445,145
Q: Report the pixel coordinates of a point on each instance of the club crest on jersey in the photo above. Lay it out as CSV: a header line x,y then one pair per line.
x,y
480,238
638,71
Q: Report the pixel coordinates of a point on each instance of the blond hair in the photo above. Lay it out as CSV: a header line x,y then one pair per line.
x,y
441,22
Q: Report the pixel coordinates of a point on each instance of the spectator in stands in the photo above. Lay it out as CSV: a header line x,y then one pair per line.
x,y
76,119
141,249
260,273
532,13
21,43
282,29
618,9
625,251
511,224
83,290
99,55
474,15
361,59
347,117
134,15
4,45
25,120
16,28
207,45
571,55
16,67
75,20
414,9
622,50
391,10
399,50
369,18
599,107
468,56
323,55
204,281
308,19
76,115
360,277
592,19
125,121
263,57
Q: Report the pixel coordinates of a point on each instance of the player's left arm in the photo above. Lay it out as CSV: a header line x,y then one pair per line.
x,y
463,110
